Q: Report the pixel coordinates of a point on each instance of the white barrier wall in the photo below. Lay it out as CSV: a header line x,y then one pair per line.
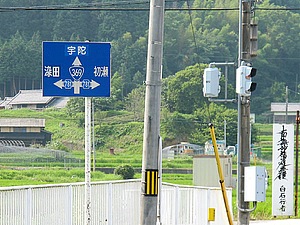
x,y
113,203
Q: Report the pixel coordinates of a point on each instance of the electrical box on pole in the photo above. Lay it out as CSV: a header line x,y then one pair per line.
x,y
255,184
211,87
244,84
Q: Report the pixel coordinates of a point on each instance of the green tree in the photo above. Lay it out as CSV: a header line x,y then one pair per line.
x,y
138,79
218,115
75,106
125,171
183,92
113,25
177,54
278,90
20,64
129,58
291,3
115,101
278,53
72,23
189,38
177,127
135,102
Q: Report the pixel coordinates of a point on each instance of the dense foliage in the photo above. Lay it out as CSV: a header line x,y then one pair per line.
x,y
192,39
125,171
215,33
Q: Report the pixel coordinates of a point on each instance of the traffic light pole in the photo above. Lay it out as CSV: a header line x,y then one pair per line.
x,y
243,113
243,158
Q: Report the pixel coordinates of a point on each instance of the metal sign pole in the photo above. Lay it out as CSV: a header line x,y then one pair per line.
x,y
88,106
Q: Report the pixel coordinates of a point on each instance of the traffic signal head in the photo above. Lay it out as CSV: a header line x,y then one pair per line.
x,y
211,87
244,84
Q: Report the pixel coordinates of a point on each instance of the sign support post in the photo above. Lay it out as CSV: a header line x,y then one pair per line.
x,y
88,104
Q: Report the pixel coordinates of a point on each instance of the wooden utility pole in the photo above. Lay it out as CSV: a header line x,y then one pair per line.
x,y
243,113
149,184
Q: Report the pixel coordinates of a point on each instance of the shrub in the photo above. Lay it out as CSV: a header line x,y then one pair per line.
x,y
125,171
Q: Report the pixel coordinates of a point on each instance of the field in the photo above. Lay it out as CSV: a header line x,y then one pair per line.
x,y
37,165
59,172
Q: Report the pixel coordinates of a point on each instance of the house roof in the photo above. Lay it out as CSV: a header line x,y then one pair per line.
x,y
5,101
281,107
60,102
22,122
30,97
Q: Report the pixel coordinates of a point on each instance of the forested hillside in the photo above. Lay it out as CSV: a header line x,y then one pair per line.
x,y
191,37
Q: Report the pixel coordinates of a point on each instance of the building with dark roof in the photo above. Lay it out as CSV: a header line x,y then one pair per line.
x,y
28,131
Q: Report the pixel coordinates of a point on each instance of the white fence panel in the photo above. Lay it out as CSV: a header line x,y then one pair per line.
x,y
77,205
182,205
99,204
50,205
126,204
15,214
113,203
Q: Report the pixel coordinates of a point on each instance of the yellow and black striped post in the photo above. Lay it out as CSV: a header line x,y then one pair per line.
x,y
151,183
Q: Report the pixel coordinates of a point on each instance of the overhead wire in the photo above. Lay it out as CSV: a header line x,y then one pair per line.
x,y
123,6
197,52
76,8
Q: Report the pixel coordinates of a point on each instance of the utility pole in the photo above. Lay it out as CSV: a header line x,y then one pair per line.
x,y
244,111
149,182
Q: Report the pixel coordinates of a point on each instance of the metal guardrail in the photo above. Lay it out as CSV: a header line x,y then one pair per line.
x,y
113,203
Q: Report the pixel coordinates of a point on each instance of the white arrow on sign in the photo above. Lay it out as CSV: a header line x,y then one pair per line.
x,y
60,84
94,84
75,84
76,62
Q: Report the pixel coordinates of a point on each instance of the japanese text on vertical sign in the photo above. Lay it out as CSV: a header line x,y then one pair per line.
x,y
283,145
282,198
282,166
283,162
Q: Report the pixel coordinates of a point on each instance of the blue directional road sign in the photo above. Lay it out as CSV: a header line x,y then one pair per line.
x,y
76,69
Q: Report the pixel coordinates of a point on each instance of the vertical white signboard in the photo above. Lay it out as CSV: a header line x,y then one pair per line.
x,y
283,170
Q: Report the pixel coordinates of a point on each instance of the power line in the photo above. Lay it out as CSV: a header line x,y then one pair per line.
x,y
67,8
104,7
115,6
